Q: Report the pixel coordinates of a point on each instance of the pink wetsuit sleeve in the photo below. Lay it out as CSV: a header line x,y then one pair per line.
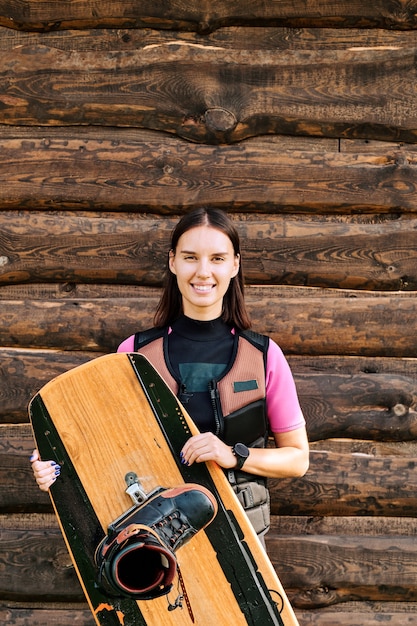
x,y
127,345
282,404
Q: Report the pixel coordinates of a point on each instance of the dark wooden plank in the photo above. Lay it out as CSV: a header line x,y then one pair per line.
x,y
327,570
367,447
360,613
130,139
205,15
341,364
14,614
122,170
364,406
344,321
72,247
76,324
229,38
186,90
306,321
326,552
347,396
349,484
372,252
370,146
35,554
86,173
336,526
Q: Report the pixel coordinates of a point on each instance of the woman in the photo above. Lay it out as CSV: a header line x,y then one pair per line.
x,y
235,384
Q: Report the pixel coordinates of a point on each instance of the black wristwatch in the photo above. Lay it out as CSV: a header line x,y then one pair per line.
x,y
241,453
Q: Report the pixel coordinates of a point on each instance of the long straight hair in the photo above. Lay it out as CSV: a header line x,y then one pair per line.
x,y
234,308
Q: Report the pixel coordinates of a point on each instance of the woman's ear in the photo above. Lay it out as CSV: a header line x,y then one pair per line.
x,y
171,261
236,265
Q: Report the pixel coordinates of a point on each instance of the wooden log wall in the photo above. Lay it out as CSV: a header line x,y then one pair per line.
x,y
300,119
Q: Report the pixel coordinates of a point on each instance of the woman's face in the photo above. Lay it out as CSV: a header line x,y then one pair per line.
x,y
204,263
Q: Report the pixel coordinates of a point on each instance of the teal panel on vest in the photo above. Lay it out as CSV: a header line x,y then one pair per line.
x,y
196,376
245,385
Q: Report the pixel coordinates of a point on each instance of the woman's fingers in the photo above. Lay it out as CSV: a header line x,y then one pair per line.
x,y
45,472
207,447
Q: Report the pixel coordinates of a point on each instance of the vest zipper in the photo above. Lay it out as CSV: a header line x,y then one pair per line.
x,y
183,394
215,403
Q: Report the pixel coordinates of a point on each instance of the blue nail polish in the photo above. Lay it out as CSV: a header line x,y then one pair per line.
x,y
57,472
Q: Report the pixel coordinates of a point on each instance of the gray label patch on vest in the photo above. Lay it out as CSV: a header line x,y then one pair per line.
x,y
245,385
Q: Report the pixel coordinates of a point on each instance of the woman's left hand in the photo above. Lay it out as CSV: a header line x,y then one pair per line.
x,y
289,459
207,447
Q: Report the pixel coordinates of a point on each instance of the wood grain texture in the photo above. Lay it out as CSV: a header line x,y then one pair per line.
x,y
384,560
349,484
361,406
358,614
229,38
205,15
124,170
40,551
69,615
190,91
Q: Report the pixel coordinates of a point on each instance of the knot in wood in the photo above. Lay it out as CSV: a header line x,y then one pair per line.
x,y
399,410
62,561
401,159
219,119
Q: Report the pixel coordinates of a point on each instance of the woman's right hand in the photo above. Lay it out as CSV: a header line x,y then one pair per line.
x,y
45,472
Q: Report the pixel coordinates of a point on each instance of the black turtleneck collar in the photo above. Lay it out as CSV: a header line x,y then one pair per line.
x,y
200,330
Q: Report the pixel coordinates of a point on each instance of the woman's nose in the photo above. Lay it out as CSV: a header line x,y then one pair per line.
x,y
203,269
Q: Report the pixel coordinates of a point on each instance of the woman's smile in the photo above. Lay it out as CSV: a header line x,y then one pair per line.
x,y
203,288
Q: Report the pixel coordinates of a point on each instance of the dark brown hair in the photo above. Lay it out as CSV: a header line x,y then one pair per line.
x,y
234,307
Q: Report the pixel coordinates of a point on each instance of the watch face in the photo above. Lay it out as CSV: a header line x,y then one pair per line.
x,y
241,450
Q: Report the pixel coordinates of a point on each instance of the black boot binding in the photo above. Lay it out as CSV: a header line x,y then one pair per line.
x,y
136,558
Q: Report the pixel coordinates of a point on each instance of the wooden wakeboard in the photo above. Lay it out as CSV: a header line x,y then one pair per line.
x,y
113,417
